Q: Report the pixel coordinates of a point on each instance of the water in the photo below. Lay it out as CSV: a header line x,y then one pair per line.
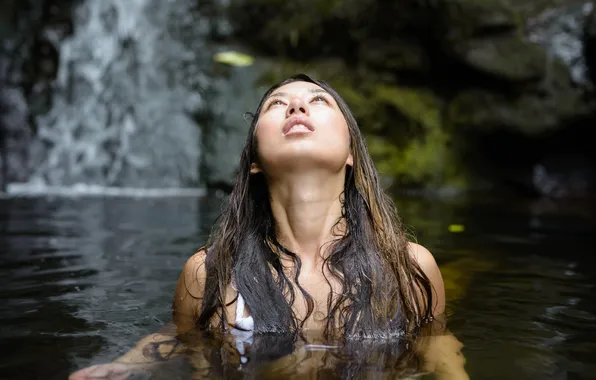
x,y
83,278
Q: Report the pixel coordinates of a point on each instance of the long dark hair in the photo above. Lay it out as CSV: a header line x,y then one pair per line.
x,y
383,291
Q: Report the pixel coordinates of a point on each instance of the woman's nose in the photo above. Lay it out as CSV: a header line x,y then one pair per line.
x,y
296,106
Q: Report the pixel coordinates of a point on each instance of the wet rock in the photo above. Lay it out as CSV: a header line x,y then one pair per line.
x,y
589,43
465,19
28,65
548,106
236,94
564,176
404,54
560,31
508,58
15,137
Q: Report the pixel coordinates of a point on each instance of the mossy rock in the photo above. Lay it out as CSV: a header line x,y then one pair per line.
x,y
298,29
418,105
531,114
499,13
423,158
464,19
509,58
423,162
396,54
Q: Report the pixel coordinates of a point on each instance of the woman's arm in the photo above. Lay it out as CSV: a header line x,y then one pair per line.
x,y
442,356
441,350
153,348
162,346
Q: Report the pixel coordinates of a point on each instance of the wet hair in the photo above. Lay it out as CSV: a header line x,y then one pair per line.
x,y
275,356
382,289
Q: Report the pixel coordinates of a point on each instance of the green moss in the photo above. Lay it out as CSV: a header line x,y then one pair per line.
x,y
419,105
426,162
425,159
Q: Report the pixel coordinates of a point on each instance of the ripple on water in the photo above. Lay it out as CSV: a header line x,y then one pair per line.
x,y
83,278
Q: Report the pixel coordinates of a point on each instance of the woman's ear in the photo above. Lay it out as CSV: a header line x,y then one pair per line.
x,y
254,168
350,160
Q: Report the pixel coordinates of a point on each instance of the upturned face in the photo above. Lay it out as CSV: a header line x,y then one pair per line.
x,y
301,127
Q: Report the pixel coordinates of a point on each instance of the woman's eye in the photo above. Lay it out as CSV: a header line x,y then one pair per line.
x,y
319,98
275,103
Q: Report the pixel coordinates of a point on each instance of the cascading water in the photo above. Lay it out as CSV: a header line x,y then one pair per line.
x,y
126,97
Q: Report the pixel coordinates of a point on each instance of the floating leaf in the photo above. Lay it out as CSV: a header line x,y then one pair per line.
x,y
233,58
456,228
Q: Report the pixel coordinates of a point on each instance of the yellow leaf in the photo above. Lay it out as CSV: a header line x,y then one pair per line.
x,y
233,58
456,228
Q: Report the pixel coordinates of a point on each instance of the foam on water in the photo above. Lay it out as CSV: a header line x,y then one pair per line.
x,y
78,190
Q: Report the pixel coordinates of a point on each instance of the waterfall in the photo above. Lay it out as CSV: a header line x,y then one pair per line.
x,y
128,92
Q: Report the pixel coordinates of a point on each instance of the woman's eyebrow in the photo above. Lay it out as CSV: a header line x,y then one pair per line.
x,y
278,95
311,90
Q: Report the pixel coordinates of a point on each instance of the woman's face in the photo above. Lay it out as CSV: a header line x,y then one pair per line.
x,y
301,127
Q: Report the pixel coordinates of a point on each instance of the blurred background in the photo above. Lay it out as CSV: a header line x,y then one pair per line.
x,y
121,123
453,95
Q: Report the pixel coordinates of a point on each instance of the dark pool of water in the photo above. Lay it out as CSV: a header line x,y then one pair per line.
x,y
81,280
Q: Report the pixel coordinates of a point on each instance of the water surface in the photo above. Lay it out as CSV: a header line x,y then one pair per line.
x,y
84,278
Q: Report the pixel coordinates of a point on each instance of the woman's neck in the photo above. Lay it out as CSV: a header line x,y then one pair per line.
x,y
306,209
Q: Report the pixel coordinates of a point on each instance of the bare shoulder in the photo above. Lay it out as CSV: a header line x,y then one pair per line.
x,y
429,266
423,257
197,261
194,274
189,292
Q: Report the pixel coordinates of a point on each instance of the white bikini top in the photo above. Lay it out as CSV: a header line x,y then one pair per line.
x,y
242,322
243,329
245,326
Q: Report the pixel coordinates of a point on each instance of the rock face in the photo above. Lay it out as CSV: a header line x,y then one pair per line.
x,y
560,32
28,64
15,137
436,84
236,95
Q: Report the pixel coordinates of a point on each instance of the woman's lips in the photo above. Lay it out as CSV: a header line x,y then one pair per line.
x,y
298,128
296,125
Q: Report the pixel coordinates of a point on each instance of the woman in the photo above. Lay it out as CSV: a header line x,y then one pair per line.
x,y
308,241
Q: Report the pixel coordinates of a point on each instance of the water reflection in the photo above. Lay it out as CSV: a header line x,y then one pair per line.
x,y
39,264
291,357
83,279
